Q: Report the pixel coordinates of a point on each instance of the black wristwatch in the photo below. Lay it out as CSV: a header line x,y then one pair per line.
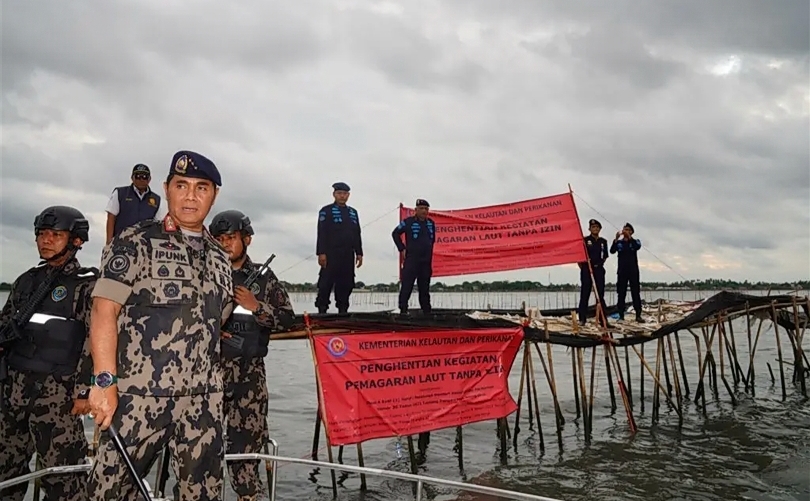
x,y
103,379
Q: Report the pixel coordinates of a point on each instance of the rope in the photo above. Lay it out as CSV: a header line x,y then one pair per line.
x,y
313,255
645,247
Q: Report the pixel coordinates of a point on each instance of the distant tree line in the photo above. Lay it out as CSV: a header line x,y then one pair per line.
x,y
529,286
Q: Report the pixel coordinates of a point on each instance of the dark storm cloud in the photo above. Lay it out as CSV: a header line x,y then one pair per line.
x,y
724,26
404,54
688,118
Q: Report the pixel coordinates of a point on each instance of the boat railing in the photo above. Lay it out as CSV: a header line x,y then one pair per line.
x,y
273,460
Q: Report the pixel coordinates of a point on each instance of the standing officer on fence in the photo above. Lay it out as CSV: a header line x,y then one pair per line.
x,y
339,248
165,289
261,309
627,249
48,365
597,248
130,204
417,253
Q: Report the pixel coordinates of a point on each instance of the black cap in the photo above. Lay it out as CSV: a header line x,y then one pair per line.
x,y
594,222
190,164
341,187
629,227
141,169
230,221
422,202
63,218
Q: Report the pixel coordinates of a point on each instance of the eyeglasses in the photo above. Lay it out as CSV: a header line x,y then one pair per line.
x,y
143,177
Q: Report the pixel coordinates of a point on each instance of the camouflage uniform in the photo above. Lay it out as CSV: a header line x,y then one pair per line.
x,y
39,392
175,289
243,372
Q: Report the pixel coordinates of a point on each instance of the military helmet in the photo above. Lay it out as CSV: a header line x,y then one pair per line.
x,y
63,218
230,221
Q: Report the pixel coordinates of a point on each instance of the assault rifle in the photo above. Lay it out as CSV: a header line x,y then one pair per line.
x,y
12,330
259,271
238,341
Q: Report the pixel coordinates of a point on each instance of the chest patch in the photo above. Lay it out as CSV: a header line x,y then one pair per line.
x,y
59,293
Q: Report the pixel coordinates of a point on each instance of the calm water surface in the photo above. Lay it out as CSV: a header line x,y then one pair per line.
x,y
757,450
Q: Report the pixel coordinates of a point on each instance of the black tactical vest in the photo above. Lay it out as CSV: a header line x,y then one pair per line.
x,y
53,339
249,340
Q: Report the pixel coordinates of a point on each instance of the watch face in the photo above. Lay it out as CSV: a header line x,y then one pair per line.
x,y
104,379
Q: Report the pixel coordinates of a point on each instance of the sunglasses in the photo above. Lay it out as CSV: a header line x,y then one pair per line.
x,y
141,176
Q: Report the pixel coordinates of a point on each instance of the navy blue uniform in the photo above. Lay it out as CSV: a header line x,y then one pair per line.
x,y
420,235
339,238
598,253
627,273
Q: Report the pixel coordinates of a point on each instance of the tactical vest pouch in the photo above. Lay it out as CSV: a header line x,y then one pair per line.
x,y
247,339
50,345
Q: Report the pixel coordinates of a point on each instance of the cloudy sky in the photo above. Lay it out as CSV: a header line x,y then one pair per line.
x,y
688,118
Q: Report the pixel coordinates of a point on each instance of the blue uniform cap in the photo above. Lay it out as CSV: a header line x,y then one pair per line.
x,y
421,202
190,164
341,187
594,222
629,227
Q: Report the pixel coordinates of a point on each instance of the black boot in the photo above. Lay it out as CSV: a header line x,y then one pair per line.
x,y
639,319
322,310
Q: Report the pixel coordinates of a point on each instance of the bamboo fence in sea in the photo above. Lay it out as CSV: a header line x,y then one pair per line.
x,y
721,356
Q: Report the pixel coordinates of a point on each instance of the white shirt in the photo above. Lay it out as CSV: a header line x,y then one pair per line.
x,y
113,207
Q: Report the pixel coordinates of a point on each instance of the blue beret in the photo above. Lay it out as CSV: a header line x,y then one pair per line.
x,y
629,227
422,201
190,164
341,187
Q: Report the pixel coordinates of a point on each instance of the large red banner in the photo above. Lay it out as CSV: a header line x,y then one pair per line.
x,y
528,234
390,384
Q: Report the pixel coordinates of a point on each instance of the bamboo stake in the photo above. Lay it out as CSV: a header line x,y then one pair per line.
x,y
593,388
629,377
778,350
361,463
720,340
583,393
574,379
622,390
677,381
641,376
656,395
683,367
533,382
610,381
523,370
557,407
650,371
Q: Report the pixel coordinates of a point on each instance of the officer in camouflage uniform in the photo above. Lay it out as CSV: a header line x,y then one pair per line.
x,y
261,309
164,291
49,365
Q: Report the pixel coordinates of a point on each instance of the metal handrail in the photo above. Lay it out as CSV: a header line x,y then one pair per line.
x,y
419,479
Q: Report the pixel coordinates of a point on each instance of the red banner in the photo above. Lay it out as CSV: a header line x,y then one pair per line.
x,y
390,384
528,234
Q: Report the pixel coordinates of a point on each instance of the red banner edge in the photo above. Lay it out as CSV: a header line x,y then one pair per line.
x,y
319,388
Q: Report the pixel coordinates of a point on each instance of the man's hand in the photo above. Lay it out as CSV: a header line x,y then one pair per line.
x,y
618,234
322,260
245,298
80,407
359,261
103,403
226,335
